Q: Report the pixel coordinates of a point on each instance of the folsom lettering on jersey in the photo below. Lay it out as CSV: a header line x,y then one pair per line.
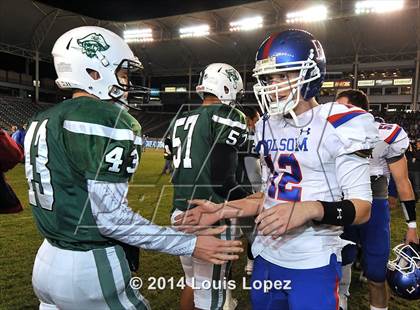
x,y
288,144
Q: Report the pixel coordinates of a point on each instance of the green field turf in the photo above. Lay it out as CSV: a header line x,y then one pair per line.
x,y
19,241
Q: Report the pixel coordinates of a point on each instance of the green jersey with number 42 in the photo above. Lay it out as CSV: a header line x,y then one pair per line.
x,y
194,135
77,140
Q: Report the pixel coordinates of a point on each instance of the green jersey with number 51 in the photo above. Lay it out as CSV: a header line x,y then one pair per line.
x,y
77,140
194,135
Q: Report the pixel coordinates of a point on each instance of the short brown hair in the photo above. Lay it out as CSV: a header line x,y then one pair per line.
x,y
250,111
356,97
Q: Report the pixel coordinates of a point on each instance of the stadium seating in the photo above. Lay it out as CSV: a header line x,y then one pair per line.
x,y
15,111
154,124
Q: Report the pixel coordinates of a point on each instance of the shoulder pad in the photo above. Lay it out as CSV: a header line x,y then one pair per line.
x,y
389,132
338,114
229,116
395,137
354,128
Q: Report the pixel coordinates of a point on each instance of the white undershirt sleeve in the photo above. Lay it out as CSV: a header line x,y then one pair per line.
x,y
117,221
253,171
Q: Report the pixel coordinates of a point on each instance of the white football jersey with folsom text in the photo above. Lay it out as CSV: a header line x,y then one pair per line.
x,y
313,161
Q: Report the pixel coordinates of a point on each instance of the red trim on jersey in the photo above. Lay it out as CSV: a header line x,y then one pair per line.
x,y
339,119
337,298
267,47
393,135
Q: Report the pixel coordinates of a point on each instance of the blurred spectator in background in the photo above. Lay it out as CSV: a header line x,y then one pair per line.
x,y
143,149
413,161
167,155
19,135
10,155
13,129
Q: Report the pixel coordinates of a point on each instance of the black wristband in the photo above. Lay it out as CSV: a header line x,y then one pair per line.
x,y
409,209
338,213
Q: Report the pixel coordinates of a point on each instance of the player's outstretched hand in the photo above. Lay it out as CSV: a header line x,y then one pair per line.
x,y
205,214
281,218
214,250
411,236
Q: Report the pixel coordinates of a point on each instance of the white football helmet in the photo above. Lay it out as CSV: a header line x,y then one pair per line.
x,y
223,81
85,49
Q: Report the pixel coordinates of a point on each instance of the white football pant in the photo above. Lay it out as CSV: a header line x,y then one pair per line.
x,y
208,281
96,279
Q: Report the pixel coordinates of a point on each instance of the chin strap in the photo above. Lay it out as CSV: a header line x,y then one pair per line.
x,y
294,117
263,144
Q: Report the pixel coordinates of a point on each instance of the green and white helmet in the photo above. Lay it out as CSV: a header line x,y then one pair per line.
x,y
223,81
85,49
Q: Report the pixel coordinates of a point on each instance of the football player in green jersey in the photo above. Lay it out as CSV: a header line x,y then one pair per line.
x,y
80,155
205,142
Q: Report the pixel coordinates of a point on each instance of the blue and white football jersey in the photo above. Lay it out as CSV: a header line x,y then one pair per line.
x,y
311,161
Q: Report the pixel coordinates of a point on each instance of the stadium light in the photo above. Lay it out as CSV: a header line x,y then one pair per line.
x,y
312,14
194,31
138,35
246,24
378,6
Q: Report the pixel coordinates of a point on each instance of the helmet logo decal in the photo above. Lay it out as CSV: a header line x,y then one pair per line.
x,y
93,43
319,49
232,75
283,54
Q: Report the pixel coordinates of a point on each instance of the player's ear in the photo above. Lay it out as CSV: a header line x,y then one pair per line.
x,y
248,121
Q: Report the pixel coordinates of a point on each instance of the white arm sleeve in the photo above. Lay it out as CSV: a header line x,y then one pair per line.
x,y
253,171
265,171
117,221
353,177
167,149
